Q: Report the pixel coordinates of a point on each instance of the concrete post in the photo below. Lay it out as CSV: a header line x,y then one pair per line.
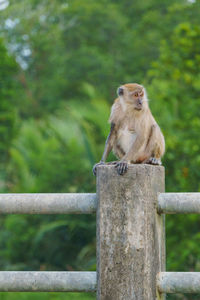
x,y
130,233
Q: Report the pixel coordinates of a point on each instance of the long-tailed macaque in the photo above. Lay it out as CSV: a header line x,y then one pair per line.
x,y
134,137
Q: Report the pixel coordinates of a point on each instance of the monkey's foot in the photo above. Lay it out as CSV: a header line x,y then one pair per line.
x,y
94,170
122,167
154,161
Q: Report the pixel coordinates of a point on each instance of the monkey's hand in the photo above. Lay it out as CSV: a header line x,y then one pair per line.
x,y
122,167
94,170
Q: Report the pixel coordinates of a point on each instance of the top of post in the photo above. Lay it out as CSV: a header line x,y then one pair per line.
x,y
137,177
133,169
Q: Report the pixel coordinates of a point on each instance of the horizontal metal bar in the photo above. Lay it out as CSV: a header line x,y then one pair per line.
x,y
47,281
179,203
47,203
179,282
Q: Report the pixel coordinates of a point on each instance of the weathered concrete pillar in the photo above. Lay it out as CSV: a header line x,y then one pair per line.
x,y
130,233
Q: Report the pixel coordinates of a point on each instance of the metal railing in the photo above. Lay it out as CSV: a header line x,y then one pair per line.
x,y
130,237
45,281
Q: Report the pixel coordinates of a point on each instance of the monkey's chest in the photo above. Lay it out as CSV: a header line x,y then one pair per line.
x,y
126,138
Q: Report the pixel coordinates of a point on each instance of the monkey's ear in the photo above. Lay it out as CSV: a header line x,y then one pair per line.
x,y
120,91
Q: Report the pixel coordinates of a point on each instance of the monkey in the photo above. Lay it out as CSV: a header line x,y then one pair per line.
x,y
135,136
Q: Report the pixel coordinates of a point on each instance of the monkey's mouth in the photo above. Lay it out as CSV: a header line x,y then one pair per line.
x,y
138,104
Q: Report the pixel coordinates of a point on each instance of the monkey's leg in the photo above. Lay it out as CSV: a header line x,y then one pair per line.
x,y
154,147
108,147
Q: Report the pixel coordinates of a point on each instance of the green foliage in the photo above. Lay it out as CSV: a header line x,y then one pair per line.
x,y
31,238
46,296
174,82
72,56
102,43
8,69
58,141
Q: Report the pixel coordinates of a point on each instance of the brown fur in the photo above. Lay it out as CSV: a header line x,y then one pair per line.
x,y
135,136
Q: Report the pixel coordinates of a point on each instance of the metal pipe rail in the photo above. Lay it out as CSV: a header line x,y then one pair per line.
x,y
47,281
179,282
122,239
179,203
69,203
48,203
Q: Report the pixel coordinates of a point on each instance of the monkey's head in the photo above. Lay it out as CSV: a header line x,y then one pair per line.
x,y
133,94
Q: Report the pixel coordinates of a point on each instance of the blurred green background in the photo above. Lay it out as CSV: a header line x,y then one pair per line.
x,y
60,65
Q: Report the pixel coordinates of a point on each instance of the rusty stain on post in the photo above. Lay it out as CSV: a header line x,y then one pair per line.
x,y
179,203
60,203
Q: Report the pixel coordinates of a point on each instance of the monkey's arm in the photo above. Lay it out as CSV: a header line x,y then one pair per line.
x,y
108,147
109,143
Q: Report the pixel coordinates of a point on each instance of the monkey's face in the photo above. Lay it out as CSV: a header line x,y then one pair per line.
x,y
133,94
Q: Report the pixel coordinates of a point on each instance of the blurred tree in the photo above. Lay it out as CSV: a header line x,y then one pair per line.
x,y
8,93
33,33
73,56
55,155
62,46
174,81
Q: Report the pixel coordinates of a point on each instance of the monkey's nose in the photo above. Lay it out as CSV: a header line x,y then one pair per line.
x,y
140,101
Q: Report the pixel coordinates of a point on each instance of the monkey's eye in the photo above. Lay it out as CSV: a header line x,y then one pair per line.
x,y
136,94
